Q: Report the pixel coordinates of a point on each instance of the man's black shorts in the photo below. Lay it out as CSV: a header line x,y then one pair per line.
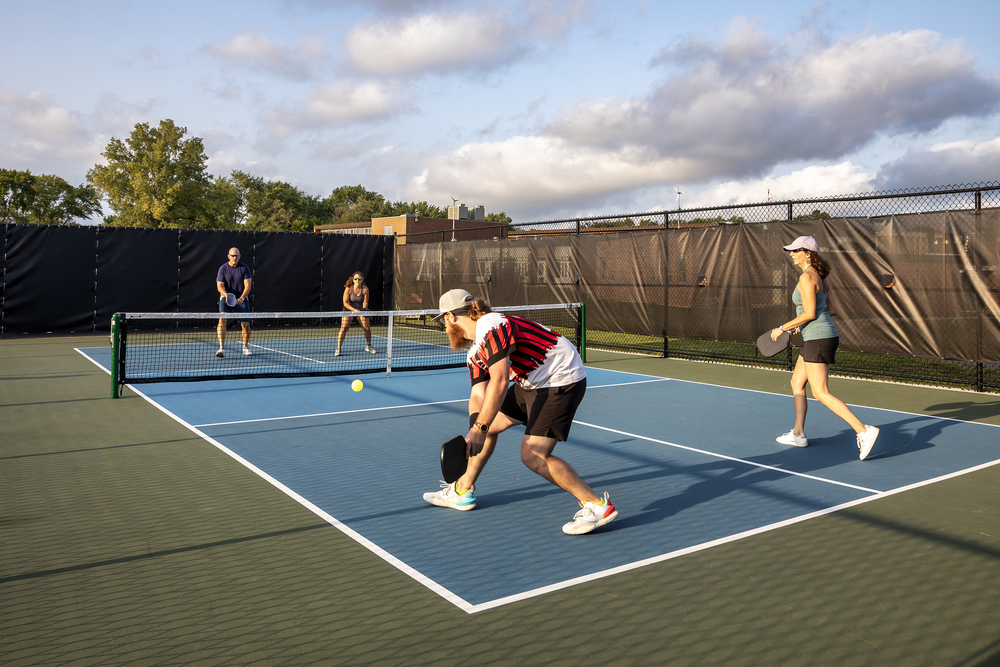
x,y
547,412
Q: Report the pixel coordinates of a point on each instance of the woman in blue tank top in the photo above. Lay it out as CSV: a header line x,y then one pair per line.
x,y
819,349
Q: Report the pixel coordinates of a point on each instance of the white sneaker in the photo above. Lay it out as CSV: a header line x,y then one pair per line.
x,y
247,352
866,440
793,440
590,517
337,353
370,349
220,353
448,496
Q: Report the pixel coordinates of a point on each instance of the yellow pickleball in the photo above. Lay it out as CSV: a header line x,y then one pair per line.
x,y
357,385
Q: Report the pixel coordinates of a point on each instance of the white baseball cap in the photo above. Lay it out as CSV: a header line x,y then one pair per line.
x,y
803,243
453,300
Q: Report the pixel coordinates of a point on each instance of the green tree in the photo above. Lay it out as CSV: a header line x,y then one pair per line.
x,y
421,208
155,178
500,218
280,206
17,194
816,214
44,200
57,202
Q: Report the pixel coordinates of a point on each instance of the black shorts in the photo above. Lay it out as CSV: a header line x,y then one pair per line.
x,y
820,350
547,412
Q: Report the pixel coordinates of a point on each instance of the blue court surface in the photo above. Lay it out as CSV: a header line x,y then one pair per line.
x,y
688,465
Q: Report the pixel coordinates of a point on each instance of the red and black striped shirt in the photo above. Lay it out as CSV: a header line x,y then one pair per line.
x,y
532,348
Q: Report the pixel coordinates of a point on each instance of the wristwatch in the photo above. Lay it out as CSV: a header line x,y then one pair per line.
x,y
482,427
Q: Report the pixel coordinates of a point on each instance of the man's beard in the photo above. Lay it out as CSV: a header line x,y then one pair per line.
x,y
456,337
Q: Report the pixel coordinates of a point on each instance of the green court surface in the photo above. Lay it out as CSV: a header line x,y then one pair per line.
x,y
125,539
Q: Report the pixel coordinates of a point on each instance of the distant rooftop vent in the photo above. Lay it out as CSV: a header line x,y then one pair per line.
x,y
462,212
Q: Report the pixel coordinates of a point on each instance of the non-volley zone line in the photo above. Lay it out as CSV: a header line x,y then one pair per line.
x,y
386,407
330,414
727,458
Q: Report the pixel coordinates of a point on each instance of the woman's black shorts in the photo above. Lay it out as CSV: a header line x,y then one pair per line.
x,y
820,350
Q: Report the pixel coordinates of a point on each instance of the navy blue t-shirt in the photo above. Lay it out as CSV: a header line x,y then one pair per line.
x,y
233,276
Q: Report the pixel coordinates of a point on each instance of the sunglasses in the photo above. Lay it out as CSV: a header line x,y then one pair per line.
x,y
234,255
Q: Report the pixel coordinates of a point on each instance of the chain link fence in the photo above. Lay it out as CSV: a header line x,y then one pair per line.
x,y
914,279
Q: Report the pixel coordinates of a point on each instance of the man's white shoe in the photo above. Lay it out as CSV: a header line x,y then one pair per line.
x,y
247,352
449,496
866,440
792,440
220,353
590,517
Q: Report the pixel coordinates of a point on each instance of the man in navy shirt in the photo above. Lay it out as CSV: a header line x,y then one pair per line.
x,y
234,278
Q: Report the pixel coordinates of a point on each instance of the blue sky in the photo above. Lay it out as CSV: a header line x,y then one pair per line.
x,y
541,109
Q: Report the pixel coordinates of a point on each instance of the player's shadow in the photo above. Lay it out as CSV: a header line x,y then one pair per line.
x,y
966,410
756,487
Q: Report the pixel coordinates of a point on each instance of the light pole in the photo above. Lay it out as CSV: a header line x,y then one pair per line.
x,y
454,206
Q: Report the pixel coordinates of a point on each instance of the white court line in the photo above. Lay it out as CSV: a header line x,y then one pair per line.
x,y
326,414
728,458
772,393
626,384
392,407
297,356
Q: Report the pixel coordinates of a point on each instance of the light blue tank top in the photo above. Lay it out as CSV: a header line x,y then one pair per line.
x,y
822,326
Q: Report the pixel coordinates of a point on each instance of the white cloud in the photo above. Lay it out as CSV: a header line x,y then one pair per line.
x,y
528,174
750,105
809,182
454,41
432,42
223,163
954,163
339,104
33,115
274,56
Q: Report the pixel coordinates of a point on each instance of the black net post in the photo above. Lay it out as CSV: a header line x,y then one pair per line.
x,y
115,329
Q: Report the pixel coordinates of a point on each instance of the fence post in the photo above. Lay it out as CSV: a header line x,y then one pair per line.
x,y
578,226
790,211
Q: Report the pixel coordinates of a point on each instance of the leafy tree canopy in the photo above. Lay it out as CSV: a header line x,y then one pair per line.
x,y
155,178
44,199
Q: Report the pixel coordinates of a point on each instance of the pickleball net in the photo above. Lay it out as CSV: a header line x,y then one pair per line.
x,y
181,347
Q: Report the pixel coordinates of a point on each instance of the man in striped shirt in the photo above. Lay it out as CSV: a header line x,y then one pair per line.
x,y
549,383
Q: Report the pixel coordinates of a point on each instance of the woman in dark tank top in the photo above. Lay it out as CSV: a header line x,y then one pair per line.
x,y
355,300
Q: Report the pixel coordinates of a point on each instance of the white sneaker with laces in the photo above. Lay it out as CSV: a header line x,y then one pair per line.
x,y
370,349
866,440
247,352
792,440
337,353
448,496
590,517
220,353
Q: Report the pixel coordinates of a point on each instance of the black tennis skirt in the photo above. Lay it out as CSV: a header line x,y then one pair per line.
x,y
820,350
